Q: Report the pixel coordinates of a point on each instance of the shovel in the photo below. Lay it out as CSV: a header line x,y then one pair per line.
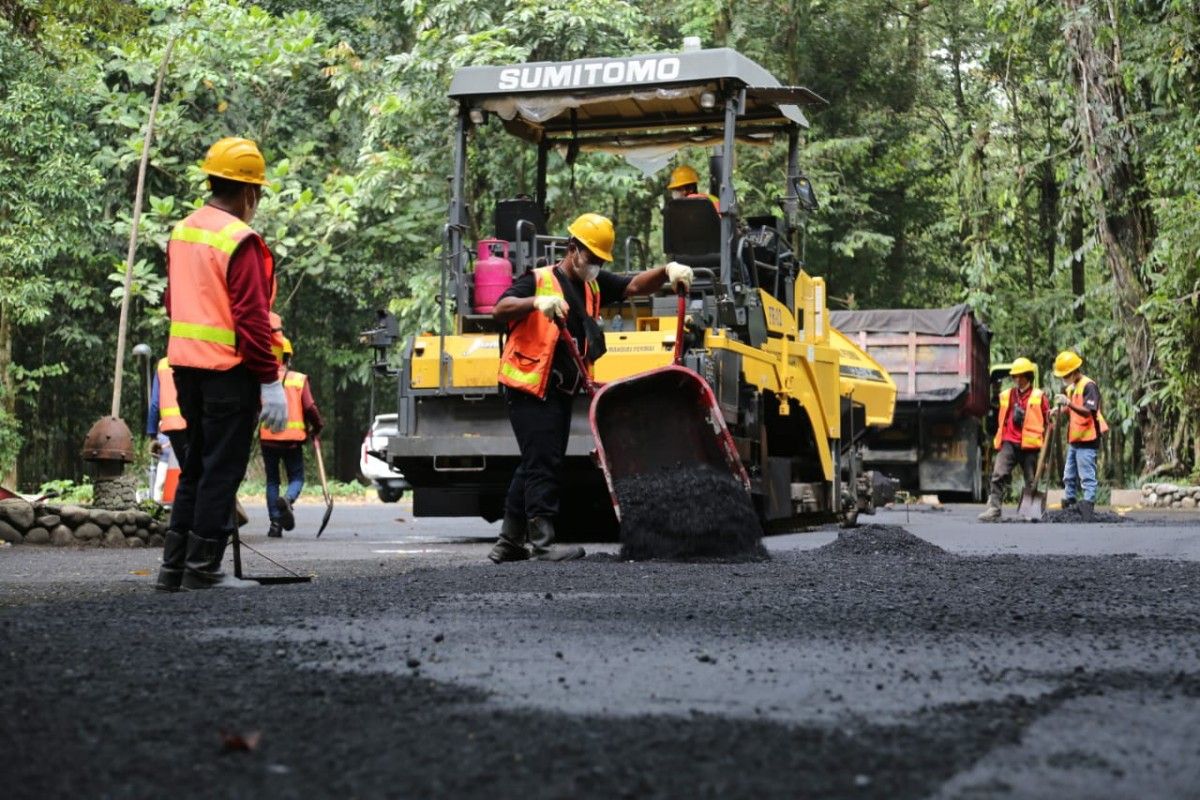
x,y
1033,501
316,442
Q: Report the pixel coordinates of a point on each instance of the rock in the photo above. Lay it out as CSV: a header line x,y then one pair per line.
x,y
88,531
1167,488
1147,490
102,517
1152,499
61,536
156,540
133,541
73,515
47,508
37,536
10,534
142,534
91,543
114,537
1187,502
17,512
1176,504
128,528
142,519
49,521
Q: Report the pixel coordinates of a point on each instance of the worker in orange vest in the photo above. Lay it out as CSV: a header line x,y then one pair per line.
x,y
1020,433
287,446
685,182
220,287
541,381
1080,400
164,416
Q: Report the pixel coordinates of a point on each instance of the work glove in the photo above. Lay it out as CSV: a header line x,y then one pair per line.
x,y
274,412
1062,400
551,305
155,448
679,275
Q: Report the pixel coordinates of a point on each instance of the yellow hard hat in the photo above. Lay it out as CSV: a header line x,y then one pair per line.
x,y
595,232
683,175
1067,362
236,160
287,345
1022,366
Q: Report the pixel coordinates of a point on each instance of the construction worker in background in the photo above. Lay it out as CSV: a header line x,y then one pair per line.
x,y
1080,400
541,380
287,446
220,287
1024,410
685,182
164,416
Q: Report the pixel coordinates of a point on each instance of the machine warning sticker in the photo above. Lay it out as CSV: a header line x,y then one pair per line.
x,y
861,372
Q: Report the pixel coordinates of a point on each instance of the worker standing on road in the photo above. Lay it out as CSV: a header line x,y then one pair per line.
x,y
541,380
220,286
1081,402
287,446
684,182
1024,410
164,415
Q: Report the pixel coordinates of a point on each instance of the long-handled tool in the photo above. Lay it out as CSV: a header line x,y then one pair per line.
x,y
324,486
1033,501
291,577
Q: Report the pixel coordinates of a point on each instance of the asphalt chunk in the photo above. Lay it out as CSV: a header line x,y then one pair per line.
x,y
688,513
1072,516
877,540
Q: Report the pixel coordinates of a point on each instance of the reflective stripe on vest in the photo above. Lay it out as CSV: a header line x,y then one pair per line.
x,y
170,418
198,254
1081,427
529,349
1033,428
293,389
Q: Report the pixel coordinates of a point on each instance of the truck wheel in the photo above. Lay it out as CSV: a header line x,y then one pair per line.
x,y
389,494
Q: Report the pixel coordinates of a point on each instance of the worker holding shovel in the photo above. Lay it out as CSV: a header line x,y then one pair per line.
x,y
1020,434
1080,401
541,380
304,423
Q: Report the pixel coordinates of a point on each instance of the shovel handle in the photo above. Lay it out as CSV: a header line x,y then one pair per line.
x,y
589,385
1041,462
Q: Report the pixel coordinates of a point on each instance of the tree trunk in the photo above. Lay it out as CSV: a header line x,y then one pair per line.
x,y
8,392
1078,275
1116,191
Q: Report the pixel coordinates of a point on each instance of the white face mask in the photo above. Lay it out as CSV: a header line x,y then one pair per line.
x,y
677,194
590,271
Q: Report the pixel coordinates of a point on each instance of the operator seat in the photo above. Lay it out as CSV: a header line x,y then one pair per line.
x,y
692,236
517,215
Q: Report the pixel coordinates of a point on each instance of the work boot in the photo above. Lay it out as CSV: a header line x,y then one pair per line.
x,y
511,544
1068,503
992,512
204,558
287,519
541,538
170,574
274,532
1086,507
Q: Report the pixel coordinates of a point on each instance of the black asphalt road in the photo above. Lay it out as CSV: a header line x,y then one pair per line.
x,y
960,662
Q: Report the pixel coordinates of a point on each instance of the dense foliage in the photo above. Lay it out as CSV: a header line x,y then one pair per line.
x,y
1040,160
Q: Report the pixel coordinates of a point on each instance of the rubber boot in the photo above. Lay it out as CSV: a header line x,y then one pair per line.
x,y
204,558
541,538
274,532
170,574
511,544
287,520
992,512
1086,507
1068,503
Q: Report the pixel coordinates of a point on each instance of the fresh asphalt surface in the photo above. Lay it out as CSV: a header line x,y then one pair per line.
x,y
930,657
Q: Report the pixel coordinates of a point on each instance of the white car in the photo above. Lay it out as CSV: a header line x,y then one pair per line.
x,y
389,483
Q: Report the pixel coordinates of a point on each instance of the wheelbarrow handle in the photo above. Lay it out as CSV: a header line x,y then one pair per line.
x,y
678,355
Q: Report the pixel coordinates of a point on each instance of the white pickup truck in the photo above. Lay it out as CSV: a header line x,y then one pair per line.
x,y
389,483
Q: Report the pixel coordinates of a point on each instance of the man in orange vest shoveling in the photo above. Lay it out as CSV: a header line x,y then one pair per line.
x,y
1024,410
540,380
220,285
1081,402
287,446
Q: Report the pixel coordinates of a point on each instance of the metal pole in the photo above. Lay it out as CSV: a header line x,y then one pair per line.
x,y
728,198
133,230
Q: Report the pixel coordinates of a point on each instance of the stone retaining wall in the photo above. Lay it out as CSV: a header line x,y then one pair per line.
x,y
22,522
1169,495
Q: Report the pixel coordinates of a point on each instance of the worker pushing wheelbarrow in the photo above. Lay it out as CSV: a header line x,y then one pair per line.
x,y
556,309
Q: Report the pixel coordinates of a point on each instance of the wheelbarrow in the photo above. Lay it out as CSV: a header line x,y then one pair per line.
x,y
657,420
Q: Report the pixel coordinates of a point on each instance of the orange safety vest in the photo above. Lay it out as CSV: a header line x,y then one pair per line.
x,y
1082,427
276,336
202,332
293,389
169,416
1033,429
716,203
529,350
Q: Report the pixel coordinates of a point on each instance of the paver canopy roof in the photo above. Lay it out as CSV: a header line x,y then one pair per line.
x,y
633,101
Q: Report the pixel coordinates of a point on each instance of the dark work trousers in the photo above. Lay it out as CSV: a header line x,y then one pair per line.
x,y
542,428
1009,458
293,464
178,440
221,409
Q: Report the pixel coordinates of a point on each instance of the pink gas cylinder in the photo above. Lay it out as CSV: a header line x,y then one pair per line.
x,y
493,274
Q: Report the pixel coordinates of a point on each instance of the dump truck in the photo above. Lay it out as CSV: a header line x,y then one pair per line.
x,y
938,358
797,397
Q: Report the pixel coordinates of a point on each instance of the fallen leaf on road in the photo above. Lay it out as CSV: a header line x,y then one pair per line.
x,y
238,742
142,572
